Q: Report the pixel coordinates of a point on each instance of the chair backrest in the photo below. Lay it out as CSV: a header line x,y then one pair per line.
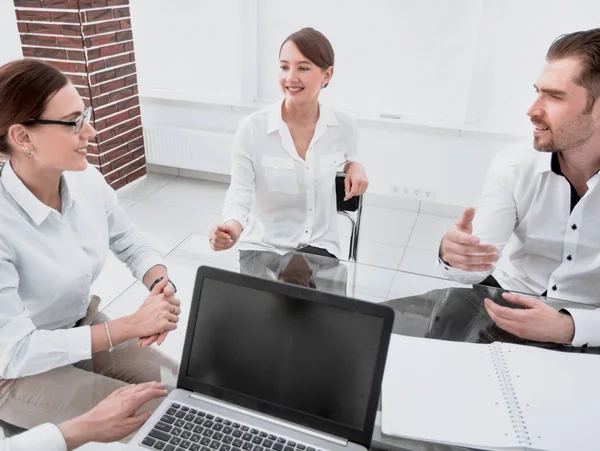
x,y
340,193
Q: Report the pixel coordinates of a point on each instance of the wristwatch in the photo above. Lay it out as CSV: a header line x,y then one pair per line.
x,y
158,280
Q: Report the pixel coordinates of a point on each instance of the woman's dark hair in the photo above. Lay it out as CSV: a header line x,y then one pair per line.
x,y
26,86
314,45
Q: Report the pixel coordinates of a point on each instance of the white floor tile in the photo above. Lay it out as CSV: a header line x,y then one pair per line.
x,y
127,302
114,279
372,282
198,248
385,225
379,254
192,194
428,232
420,262
165,225
206,228
126,202
145,187
406,284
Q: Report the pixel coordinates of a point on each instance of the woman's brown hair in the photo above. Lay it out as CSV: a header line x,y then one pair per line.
x,y
314,45
26,86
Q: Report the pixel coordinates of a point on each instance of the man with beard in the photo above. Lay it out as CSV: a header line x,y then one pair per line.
x,y
537,227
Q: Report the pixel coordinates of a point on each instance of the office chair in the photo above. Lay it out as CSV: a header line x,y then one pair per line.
x,y
345,208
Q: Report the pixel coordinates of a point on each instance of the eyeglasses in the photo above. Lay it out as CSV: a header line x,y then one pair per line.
x,y
77,124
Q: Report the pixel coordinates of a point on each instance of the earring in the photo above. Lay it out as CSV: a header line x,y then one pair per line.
x,y
323,86
29,152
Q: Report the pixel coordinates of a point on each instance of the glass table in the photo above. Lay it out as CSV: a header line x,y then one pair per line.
x,y
424,305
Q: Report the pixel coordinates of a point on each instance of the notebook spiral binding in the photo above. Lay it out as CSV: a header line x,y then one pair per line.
x,y
508,392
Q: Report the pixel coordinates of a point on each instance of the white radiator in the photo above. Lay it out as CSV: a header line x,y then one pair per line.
x,y
184,148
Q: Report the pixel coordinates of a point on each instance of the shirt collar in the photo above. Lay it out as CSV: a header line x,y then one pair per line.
x,y
275,119
543,162
37,210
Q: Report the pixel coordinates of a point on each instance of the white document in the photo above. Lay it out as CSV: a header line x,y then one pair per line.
x,y
498,396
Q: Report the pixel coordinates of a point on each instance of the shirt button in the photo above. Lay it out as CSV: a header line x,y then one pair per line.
x,y
554,287
574,226
569,258
306,231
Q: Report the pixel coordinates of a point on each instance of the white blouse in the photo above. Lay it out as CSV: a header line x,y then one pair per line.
x,y
282,201
48,263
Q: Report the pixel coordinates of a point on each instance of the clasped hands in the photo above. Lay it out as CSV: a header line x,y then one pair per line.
x,y
158,315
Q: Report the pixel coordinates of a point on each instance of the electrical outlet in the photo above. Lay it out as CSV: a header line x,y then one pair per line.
x,y
413,192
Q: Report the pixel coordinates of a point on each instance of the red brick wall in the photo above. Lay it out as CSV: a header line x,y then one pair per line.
x,y
92,42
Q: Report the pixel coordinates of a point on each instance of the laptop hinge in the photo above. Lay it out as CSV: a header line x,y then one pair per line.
x,y
303,430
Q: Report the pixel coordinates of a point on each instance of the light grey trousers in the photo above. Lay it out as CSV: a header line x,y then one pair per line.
x,y
69,391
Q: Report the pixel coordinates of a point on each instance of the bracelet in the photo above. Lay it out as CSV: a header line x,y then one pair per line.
x,y
111,347
158,280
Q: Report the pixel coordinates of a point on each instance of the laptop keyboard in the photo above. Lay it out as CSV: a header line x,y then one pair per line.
x,y
182,428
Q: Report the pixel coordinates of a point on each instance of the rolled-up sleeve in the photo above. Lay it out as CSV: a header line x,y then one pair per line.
x,y
126,240
45,437
25,350
240,194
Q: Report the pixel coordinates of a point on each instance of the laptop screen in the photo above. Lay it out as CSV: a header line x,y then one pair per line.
x,y
313,358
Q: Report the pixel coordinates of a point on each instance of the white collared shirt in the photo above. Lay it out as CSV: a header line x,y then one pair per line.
x,y
292,201
48,263
525,211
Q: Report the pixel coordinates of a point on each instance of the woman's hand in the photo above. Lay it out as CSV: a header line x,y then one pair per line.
x,y
356,182
158,313
113,418
159,339
223,237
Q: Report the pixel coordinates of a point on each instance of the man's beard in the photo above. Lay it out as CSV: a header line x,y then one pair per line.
x,y
571,134
549,146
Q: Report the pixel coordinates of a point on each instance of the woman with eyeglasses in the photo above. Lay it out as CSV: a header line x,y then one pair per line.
x,y
58,220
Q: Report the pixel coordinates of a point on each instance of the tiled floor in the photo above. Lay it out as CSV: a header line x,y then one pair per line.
x,y
176,213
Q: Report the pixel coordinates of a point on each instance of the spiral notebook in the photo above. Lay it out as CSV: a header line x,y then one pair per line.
x,y
499,396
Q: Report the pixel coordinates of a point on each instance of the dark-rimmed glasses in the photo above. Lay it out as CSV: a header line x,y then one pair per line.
x,y
77,124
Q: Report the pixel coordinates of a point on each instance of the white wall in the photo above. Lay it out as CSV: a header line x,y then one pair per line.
x,y
10,44
389,53
199,47
516,35
459,72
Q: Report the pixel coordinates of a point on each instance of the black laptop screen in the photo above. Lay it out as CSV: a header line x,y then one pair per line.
x,y
310,357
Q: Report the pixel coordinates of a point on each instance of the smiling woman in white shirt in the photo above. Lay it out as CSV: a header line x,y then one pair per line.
x,y
58,219
285,159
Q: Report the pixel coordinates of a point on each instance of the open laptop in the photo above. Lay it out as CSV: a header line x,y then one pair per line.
x,y
269,366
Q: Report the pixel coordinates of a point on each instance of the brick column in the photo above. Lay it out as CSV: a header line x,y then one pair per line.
x,y
92,42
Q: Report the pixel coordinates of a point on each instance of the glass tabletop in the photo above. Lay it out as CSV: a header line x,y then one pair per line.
x,y
425,306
